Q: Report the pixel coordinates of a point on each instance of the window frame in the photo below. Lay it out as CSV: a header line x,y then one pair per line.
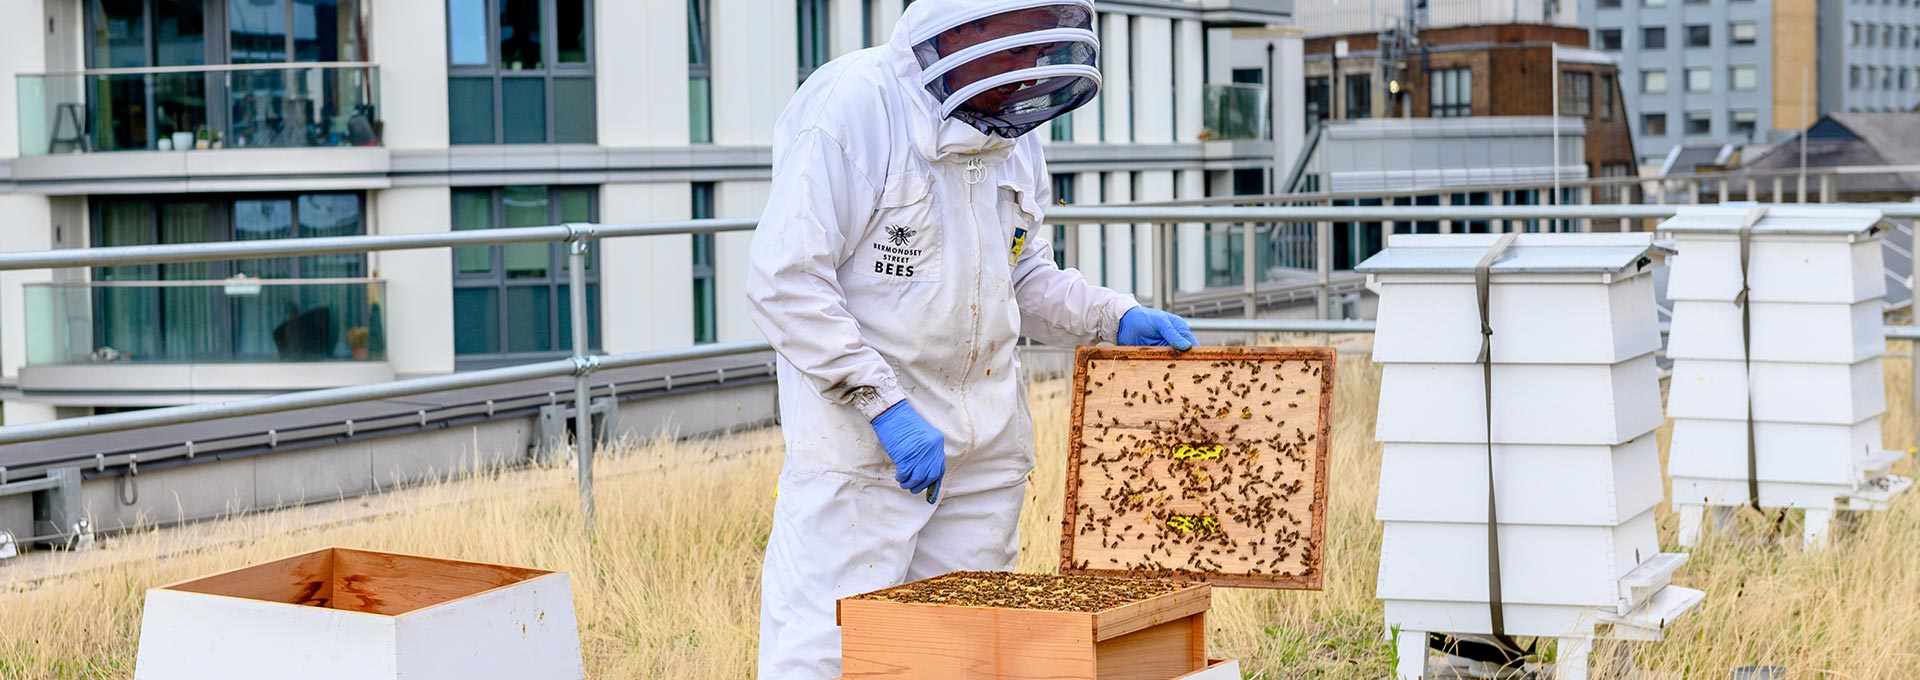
x,y
1733,77
1647,118
1734,123
1695,116
1693,31
706,329
560,326
815,45
1648,32
1619,42
1733,34
552,69
1706,72
1666,85
1444,84
700,70
1576,93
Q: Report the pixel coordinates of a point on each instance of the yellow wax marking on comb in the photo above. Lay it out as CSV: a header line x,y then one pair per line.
x,y
1202,452
1188,524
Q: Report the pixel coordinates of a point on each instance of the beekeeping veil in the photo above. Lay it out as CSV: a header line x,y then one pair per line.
x,y
1006,66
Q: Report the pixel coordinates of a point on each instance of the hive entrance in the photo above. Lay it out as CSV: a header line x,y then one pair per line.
x,y
358,580
1206,465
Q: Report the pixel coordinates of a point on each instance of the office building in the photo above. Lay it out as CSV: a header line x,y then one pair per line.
x,y
1869,56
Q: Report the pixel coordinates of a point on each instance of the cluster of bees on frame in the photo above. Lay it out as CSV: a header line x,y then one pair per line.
x,y
1226,461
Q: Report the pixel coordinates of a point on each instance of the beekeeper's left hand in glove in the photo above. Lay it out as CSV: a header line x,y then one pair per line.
x,y
1147,326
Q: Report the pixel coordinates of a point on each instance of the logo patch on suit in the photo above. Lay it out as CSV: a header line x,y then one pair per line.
x,y
895,259
1019,244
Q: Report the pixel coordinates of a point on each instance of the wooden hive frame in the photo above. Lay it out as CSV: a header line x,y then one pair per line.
x,y
1157,638
1292,570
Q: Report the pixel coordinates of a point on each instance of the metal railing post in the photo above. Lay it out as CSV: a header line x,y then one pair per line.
x,y
1446,200
1753,190
1323,265
1693,192
1913,392
1249,280
583,367
1723,189
1779,186
1826,188
1803,187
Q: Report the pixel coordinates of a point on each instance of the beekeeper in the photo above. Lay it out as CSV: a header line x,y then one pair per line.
x,y
901,255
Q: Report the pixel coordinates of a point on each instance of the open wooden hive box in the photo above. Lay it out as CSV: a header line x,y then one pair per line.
x,y
1002,626
341,613
1185,471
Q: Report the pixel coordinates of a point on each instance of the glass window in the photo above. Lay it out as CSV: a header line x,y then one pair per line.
x,y
1609,4
257,31
532,82
699,75
1853,77
1607,88
813,31
520,35
467,32
1062,195
1744,32
1653,81
1576,94
1699,123
1699,79
513,300
1653,3
1700,35
1653,38
1745,124
1653,124
704,310
1061,129
1745,77
1451,95
1609,39
1359,96
571,38
1319,100
179,34
316,30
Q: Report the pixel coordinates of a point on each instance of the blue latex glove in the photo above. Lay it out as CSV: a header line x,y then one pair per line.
x,y
1147,326
919,451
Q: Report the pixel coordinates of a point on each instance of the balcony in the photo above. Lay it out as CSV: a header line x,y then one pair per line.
x,y
186,337
231,127
1230,13
1234,112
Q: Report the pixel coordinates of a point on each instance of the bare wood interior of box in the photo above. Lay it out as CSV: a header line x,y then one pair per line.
x,y
1001,626
1209,464
359,580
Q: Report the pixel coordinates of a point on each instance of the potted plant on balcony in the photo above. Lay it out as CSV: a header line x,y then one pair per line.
x,y
357,341
203,139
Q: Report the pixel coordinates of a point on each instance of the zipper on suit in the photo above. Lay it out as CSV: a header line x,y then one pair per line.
x,y
975,173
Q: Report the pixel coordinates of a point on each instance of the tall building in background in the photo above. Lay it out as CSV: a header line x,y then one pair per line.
x,y
134,122
1707,72
1869,56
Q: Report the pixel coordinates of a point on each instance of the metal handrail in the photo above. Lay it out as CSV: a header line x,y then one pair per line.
x,y
204,68
581,365
206,283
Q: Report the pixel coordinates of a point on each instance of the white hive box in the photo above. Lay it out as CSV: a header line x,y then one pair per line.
x,y
1815,380
339,613
1576,398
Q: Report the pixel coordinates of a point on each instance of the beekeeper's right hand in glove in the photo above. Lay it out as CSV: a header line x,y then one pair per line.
x,y
919,451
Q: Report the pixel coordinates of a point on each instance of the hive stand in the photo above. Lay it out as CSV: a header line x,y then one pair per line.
x,y
1576,400
1813,385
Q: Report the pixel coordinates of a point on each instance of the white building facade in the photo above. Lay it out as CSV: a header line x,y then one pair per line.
x,y
132,122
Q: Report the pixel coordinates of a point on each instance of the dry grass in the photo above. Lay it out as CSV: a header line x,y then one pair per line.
x,y
669,587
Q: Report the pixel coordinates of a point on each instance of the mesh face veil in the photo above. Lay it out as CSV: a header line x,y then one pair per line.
x,y
1009,66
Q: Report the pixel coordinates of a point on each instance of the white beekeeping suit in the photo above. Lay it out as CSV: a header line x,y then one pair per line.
x,y
901,255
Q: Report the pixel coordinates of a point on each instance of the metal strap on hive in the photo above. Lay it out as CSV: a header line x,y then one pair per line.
x,y
1482,283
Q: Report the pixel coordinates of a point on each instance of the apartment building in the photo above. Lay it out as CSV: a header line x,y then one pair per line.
x,y
1713,72
1869,56
130,122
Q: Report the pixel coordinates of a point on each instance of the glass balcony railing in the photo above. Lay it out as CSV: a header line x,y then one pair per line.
x,y
231,320
1235,112
178,108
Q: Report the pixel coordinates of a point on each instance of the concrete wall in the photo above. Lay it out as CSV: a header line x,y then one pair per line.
x,y
646,285
640,84
755,68
730,259
419,304
409,41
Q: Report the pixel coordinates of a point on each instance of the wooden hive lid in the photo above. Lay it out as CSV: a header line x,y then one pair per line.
x,y
1529,254
1208,465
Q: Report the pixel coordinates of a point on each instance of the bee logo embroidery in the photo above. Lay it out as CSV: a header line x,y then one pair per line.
x,y
899,234
1019,244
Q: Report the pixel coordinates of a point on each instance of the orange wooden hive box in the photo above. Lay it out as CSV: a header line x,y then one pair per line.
x,y
1001,626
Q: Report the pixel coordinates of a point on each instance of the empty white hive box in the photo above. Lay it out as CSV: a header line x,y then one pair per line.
x,y
1816,284
339,613
1576,399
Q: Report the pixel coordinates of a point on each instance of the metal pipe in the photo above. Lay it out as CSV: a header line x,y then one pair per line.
x,y
1323,268
206,68
1283,325
117,422
583,370
1249,280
